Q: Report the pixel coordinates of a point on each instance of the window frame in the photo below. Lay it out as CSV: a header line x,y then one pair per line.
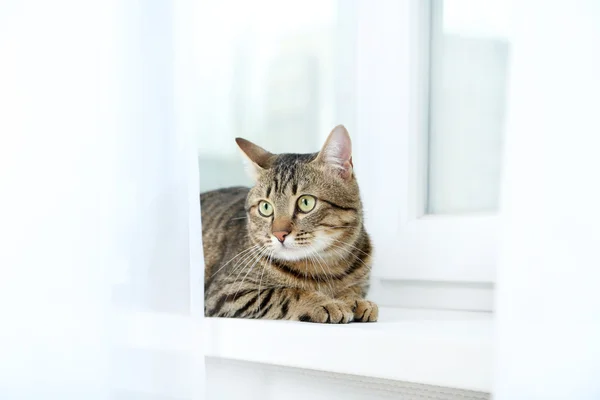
x,y
392,131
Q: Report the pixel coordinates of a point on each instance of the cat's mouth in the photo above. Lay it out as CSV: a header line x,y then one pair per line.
x,y
292,250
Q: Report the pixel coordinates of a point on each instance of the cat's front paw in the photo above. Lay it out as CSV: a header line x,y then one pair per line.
x,y
332,312
365,311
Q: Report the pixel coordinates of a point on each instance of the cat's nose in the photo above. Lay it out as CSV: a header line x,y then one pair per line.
x,y
280,235
281,228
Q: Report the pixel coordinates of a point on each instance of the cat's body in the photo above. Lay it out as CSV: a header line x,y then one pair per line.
x,y
293,246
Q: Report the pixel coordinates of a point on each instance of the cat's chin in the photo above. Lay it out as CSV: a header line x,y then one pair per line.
x,y
291,254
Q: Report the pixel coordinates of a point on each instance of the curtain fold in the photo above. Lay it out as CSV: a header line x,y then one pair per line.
x,y
101,253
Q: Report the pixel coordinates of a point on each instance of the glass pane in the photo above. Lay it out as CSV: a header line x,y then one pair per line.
x,y
277,81
469,55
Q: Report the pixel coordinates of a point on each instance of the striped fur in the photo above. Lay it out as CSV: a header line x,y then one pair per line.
x,y
321,271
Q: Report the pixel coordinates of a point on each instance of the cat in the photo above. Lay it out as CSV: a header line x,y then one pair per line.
x,y
294,246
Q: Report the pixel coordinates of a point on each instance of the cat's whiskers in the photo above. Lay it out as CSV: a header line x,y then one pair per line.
x,y
350,245
256,259
239,263
341,256
261,278
315,260
334,246
313,275
326,228
326,277
317,257
311,259
368,267
245,261
354,256
233,258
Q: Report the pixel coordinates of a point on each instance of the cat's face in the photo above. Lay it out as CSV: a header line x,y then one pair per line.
x,y
304,206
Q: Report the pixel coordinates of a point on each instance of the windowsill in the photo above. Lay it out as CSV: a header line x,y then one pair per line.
x,y
443,348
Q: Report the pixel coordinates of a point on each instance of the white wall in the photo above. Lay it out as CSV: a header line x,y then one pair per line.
x,y
548,302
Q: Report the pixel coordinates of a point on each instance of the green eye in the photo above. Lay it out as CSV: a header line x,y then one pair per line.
x,y
306,203
265,209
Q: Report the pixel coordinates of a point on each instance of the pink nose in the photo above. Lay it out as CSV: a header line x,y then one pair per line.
x,y
280,235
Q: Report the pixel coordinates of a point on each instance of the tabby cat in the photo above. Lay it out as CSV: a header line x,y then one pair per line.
x,y
292,247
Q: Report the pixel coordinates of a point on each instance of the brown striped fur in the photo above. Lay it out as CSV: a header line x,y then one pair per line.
x,y
321,271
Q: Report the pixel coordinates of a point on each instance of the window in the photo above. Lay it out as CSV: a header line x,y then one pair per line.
x,y
280,82
468,69
420,87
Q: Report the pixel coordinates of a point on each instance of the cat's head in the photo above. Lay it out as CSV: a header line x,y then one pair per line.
x,y
303,206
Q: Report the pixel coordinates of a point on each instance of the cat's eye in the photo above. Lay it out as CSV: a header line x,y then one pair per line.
x,y
265,208
306,203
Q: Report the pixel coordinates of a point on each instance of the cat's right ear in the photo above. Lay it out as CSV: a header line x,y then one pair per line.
x,y
256,158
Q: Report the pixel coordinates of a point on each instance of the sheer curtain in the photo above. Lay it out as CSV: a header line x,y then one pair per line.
x,y
547,303
100,252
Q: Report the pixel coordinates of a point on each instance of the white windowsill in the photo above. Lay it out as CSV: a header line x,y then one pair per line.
x,y
444,348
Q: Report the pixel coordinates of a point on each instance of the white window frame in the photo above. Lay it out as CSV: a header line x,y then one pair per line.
x,y
392,131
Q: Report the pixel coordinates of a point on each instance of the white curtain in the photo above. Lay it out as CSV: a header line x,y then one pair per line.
x,y
548,302
100,244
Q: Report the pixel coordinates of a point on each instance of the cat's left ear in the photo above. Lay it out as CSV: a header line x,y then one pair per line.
x,y
337,152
